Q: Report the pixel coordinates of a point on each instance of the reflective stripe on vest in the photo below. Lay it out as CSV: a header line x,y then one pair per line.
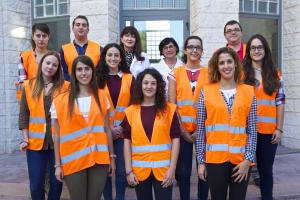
x,y
217,127
237,149
184,103
120,109
117,122
73,135
217,147
111,113
75,155
266,102
266,119
151,148
37,120
96,129
148,164
187,118
238,129
37,135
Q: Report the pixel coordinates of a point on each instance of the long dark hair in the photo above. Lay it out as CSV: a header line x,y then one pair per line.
x,y
138,44
160,95
269,71
213,65
74,85
184,57
57,78
102,68
41,27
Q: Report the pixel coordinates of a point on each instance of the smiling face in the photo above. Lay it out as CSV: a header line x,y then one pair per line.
x,y
235,35
129,41
257,51
49,66
193,50
113,58
226,66
83,74
40,39
80,28
149,86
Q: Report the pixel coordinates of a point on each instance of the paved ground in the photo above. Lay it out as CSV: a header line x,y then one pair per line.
x,y
14,178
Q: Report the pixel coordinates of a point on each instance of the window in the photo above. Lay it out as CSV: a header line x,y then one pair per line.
x,y
259,6
50,8
154,4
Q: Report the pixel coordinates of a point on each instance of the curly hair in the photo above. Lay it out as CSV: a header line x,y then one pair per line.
x,y
213,65
160,95
269,71
102,68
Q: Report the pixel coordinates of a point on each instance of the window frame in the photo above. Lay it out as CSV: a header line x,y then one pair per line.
x,y
55,9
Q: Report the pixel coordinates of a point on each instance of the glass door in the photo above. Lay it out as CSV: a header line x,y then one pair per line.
x,y
152,31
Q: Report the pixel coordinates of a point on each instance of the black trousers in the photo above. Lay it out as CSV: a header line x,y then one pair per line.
x,y
219,176
143,190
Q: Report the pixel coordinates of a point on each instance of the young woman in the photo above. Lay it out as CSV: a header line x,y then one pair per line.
x,y
114,77
131,43
227,125
83,141
35,123
185,83
151,144
261,72
30,59
168,48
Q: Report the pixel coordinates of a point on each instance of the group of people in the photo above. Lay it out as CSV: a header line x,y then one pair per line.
x,y
90,112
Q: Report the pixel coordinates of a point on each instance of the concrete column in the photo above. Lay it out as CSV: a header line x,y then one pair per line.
x,y
103,19
291,73
15,27
207,21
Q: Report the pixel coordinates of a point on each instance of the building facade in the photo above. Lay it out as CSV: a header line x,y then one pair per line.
x,y
278,21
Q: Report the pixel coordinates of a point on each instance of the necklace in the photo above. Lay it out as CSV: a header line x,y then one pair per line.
x,y
258,70
46,84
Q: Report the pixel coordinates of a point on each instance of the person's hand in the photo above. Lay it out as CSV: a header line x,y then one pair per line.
x,y
112,167
202,171
276,137
168,178
59,174
194,136
132,179
23,147
186,136
116,132
242,171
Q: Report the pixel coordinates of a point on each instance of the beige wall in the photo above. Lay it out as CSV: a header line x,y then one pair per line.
x,y
291,72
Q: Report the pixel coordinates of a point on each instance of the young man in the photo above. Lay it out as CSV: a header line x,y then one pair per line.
x,y
233,33
80,46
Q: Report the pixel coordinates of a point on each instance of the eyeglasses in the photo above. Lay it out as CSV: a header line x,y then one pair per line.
x,y
191,48
236,30
171,47
258,48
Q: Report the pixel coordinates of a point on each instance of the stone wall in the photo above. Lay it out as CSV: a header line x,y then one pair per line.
x,y
15,27
103,19
207,21
291,73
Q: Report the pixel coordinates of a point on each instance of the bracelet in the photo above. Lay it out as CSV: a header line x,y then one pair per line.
x,y
113,155
24,141
279,130
128,173
56,166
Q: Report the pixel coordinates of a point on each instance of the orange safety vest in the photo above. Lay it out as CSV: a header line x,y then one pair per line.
x,y
116,115
70,53
154,155
226,136
37,120
82,144
29,61
266,110
185,98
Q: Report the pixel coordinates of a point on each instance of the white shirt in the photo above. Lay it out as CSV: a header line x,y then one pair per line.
x,y
164,70
138,66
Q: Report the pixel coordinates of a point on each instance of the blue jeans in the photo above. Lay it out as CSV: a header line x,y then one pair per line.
x,y
120,174
185,160
203,188
37,163
265,156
